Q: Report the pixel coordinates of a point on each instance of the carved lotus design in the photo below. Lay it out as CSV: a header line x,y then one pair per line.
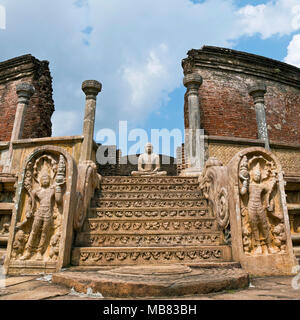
x,y
180,255
109,256
116,226
97,256
122,256
146,255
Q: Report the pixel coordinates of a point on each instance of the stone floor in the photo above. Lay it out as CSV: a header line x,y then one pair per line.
x,y
41,288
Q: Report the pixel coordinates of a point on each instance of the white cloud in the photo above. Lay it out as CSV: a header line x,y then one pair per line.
x,y
66,121
133,47
293,56
275,17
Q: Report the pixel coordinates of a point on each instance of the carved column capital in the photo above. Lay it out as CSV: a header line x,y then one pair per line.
x,y
91,88
24,91
257,92
192,81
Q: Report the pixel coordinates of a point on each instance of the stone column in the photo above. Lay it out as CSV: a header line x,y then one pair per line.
x,y
91,88
24,92
258,92
193,138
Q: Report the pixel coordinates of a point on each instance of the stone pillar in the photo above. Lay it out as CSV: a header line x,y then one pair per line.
x,y
194,146
91,88
258,92
24,92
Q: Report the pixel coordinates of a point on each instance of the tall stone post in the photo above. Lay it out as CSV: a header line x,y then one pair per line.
x,y
194,146
24,92
91,88
258,92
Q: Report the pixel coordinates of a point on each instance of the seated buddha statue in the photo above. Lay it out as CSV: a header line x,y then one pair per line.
x,y
148,163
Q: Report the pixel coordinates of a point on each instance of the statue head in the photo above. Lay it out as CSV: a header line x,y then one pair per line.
x,y
45,180
148,148
256,175
45,177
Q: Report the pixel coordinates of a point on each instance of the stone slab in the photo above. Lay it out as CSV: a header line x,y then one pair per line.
x,y
11,281
39,293
155,281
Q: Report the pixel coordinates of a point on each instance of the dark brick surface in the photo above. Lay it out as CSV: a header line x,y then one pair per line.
x,y
38,116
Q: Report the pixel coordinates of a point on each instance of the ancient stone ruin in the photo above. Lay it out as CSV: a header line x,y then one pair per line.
x,y
228,209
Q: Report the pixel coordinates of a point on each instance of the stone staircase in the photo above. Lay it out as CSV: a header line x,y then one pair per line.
x,y
149,220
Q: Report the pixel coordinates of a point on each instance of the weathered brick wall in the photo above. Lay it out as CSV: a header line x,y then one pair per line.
x,y
226,107
37,121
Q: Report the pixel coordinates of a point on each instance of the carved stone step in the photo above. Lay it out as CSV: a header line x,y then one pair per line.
x,y
148,180
150,213
146,281
163,195
150,203
100,226
87,239
148,187
138,256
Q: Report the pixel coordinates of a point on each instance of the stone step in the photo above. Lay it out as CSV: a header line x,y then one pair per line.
x,y
154,281
131,187
148,180
152,195
86,239
151,203
101,226
100,256
150,213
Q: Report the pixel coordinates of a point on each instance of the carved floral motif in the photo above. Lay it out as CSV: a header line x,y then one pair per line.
x,y
106,226
136,240
87,258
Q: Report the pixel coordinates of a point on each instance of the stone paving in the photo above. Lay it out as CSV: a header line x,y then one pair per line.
x,y
41,288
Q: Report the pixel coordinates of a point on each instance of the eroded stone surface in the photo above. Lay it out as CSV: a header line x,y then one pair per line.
x,y
152,270
38,293
119,283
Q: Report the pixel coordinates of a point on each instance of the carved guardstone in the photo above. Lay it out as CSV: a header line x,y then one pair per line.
x,y
148,163
261,239
41,229
213,183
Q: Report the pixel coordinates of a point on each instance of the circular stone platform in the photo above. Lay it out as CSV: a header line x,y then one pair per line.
x,y
154,281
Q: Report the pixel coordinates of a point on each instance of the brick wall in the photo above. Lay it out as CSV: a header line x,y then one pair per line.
x,y
226,107
37,122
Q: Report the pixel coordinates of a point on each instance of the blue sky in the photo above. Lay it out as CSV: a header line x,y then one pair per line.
x,y
135,48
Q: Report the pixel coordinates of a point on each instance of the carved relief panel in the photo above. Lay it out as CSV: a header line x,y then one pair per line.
x,y
262,215
261,239
39,230
39,234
